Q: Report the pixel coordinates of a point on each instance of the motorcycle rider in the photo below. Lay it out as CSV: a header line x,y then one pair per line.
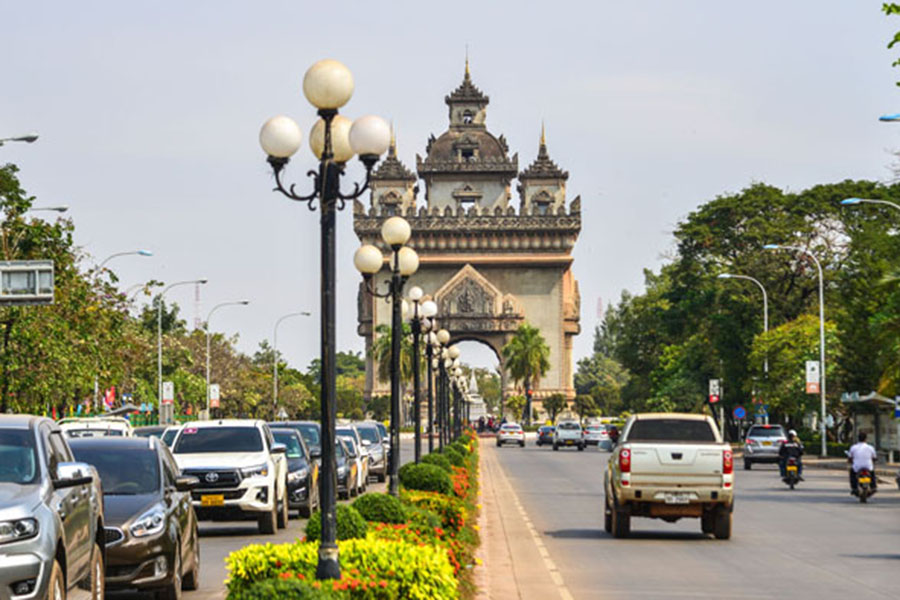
x,y
861,456
792,448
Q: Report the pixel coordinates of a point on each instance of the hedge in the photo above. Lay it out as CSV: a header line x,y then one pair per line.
x,y
350,524
430,478
450,510
455,456
288,588
438,460
383,508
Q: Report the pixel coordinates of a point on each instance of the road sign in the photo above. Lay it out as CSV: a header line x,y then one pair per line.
x,y
26,282
715,390
168,396
762,410
739,413
214,395
812,377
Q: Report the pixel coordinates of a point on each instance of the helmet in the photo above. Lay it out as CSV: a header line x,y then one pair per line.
x,y
792,433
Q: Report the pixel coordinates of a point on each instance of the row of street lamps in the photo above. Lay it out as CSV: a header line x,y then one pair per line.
x,y
811,256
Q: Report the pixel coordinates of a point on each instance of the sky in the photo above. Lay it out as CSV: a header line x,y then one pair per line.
x,y
148,115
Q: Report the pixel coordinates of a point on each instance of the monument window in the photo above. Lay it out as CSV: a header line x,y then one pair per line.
x,y
467,154
468,117
542,208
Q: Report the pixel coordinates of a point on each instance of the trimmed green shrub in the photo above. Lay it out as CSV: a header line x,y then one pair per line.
x,y
451,510
398,569
350,524
456,458
422,518
383,508
437,459
429,478
283,589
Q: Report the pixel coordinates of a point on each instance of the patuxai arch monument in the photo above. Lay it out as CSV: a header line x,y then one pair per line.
x,y
491,263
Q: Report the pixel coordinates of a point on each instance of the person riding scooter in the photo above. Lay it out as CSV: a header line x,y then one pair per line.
x,y
861,456
792,448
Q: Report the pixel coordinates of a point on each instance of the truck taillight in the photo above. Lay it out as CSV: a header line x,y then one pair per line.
x,y
625,460
727,462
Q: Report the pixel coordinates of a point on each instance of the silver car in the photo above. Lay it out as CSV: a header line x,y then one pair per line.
x,y
762,444
372,442
52,536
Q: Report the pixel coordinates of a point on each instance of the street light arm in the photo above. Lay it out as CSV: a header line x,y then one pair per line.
x,y
856,201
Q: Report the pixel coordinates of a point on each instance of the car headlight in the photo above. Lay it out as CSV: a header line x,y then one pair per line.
x,y
257,471
298,475
150,523
341,471
20,529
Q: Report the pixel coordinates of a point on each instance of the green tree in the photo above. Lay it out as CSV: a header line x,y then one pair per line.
x,y
527,358
555,404
515,404
584,406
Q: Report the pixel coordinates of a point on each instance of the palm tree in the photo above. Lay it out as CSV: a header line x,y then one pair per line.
x,y
526,356
381,353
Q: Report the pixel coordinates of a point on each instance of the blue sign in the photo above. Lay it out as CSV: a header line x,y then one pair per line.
x,y
739,413
762,410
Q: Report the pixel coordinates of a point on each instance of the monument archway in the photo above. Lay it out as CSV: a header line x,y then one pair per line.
x,y
490,266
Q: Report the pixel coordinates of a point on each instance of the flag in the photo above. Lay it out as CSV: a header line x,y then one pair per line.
x,y
54,413
79,409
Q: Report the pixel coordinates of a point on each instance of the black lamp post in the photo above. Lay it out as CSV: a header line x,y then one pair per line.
x,y
429,364
368,260
334,140
422,310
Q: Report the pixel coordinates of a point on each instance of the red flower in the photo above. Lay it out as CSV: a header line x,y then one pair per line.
x,y
382,583
285,575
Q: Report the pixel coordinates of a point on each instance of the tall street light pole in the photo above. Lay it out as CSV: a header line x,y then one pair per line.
x,y
421,310
208,317
328,85
430,364
442,337
823,407
275,355
118,254
404,261
159,309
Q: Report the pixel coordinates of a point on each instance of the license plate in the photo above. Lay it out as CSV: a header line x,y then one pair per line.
x,y
677,498
568,442
767,443
212,500
791,468
865,480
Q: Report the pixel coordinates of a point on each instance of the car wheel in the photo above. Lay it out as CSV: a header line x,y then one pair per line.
x,y
555,447
747,465
722,525
580,447
382,476
95,583
607,516
283,513
56,586
343,496
498,443
621,521
172,591
522,444
268,522
191,580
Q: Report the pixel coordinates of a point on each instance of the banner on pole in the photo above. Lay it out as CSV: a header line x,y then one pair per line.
x,y
168,396
812,377
214,395
715,390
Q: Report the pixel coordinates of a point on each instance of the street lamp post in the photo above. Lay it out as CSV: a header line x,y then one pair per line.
x,y
28,138
442,338
421,311
328,85
118,254
765,309
858,201
404,261
823,407
159,308
275,353
430,364
208,317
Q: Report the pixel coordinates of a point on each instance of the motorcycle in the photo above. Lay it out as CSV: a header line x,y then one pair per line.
x,y
791,473
864,485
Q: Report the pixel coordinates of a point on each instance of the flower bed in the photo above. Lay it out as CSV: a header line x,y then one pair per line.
x,y
426,556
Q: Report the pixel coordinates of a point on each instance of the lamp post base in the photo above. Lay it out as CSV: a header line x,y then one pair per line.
x,y
329,567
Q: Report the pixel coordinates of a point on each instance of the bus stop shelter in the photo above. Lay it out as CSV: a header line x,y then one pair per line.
x,y
875,414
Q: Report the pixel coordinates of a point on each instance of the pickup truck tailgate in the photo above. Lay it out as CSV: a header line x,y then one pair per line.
x,y
675,464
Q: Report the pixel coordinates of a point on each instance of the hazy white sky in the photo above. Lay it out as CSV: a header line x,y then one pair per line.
x,y
149,114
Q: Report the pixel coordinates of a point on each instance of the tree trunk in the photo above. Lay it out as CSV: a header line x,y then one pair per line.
x,y
526,415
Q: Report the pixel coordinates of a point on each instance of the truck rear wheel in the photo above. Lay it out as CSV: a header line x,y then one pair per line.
x,y
607,517
708,522
555,447
722,524
621,521
747,465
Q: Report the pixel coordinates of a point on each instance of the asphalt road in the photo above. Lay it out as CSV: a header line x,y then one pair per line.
x,y
814,542
219,539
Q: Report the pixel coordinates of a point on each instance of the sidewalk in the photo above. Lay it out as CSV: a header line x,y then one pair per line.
x,y
516,564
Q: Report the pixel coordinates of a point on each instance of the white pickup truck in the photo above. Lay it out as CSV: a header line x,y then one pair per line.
x,y
670,466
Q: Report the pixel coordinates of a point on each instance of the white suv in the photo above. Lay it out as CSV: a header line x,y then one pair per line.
x,y
78,427
242,471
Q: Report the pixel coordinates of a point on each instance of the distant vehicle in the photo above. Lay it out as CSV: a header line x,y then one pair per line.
x,y
372,441
346,470
150,431
864,489
310,431
762,443
303,473
568,433
511,433
670,466
76,427
242,471
152,542
596,434
385,438
545,435
169,435
51,514
362,465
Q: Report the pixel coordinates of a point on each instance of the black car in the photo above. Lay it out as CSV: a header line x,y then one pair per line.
x,y
545,435
303,473
310,431
151,529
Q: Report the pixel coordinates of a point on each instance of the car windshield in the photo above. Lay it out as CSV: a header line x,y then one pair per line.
x,y
18,456
767,432
291,441
671,430
369,433
124,472
339,450
168,436
569,425
309,432
347,432
351,445
195,440
382,429
597,428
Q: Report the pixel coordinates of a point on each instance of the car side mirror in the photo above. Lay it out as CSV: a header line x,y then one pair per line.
x,y
279,448
186,483
366,443
71,474
315,453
